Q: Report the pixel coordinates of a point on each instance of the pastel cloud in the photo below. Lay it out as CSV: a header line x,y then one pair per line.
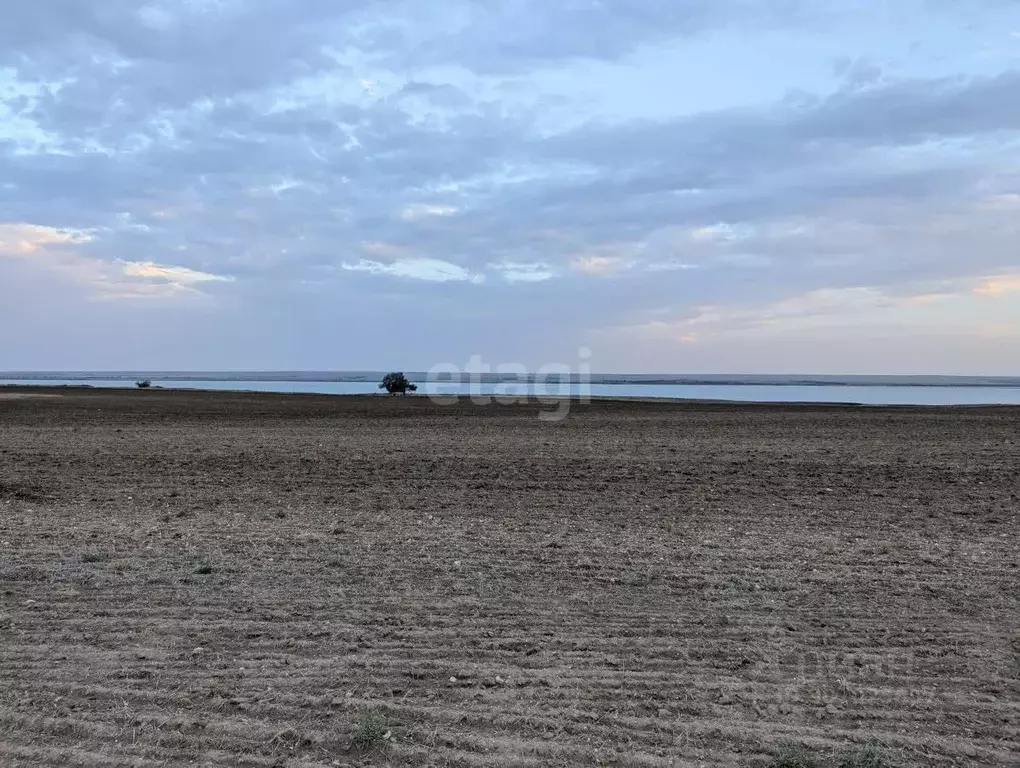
x,y
177,275
429,270
599,265
997,286
27,239
918,306
60,252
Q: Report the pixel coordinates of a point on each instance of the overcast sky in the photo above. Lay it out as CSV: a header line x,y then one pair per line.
x,y
816,186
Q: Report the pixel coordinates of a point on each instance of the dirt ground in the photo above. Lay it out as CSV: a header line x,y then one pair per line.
x,y
228,579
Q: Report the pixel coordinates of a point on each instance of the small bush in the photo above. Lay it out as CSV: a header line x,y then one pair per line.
x,y
94,556
867,756
144,384
203,569
397,383
794,757
372,730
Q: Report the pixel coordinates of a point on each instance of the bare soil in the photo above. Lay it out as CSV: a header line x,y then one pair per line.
x,y
230,579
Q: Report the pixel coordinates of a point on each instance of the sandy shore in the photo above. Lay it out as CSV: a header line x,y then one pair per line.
x,y
231,579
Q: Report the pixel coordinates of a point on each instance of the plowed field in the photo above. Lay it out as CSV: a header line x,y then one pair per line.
x,y
228,579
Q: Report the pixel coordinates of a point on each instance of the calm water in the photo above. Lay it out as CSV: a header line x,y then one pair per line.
x,y
875,394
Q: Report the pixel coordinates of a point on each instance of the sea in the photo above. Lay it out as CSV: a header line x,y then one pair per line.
x,y
863,390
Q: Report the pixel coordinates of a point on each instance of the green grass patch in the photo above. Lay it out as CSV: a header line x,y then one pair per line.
x,y
373,730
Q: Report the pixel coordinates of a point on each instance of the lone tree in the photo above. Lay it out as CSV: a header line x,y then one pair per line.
x,y
397,382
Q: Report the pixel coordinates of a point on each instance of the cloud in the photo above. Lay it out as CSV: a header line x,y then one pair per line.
x,y
277,155
597,265
600,265
1000,285
517,272
430,270
830,308
418,211
669,266
661,329
61,252
716,233
27,239
179,275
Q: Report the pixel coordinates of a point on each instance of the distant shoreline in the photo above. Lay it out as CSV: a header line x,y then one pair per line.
x,y
25,391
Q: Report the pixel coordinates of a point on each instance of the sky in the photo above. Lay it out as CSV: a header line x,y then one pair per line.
x,y
800,186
